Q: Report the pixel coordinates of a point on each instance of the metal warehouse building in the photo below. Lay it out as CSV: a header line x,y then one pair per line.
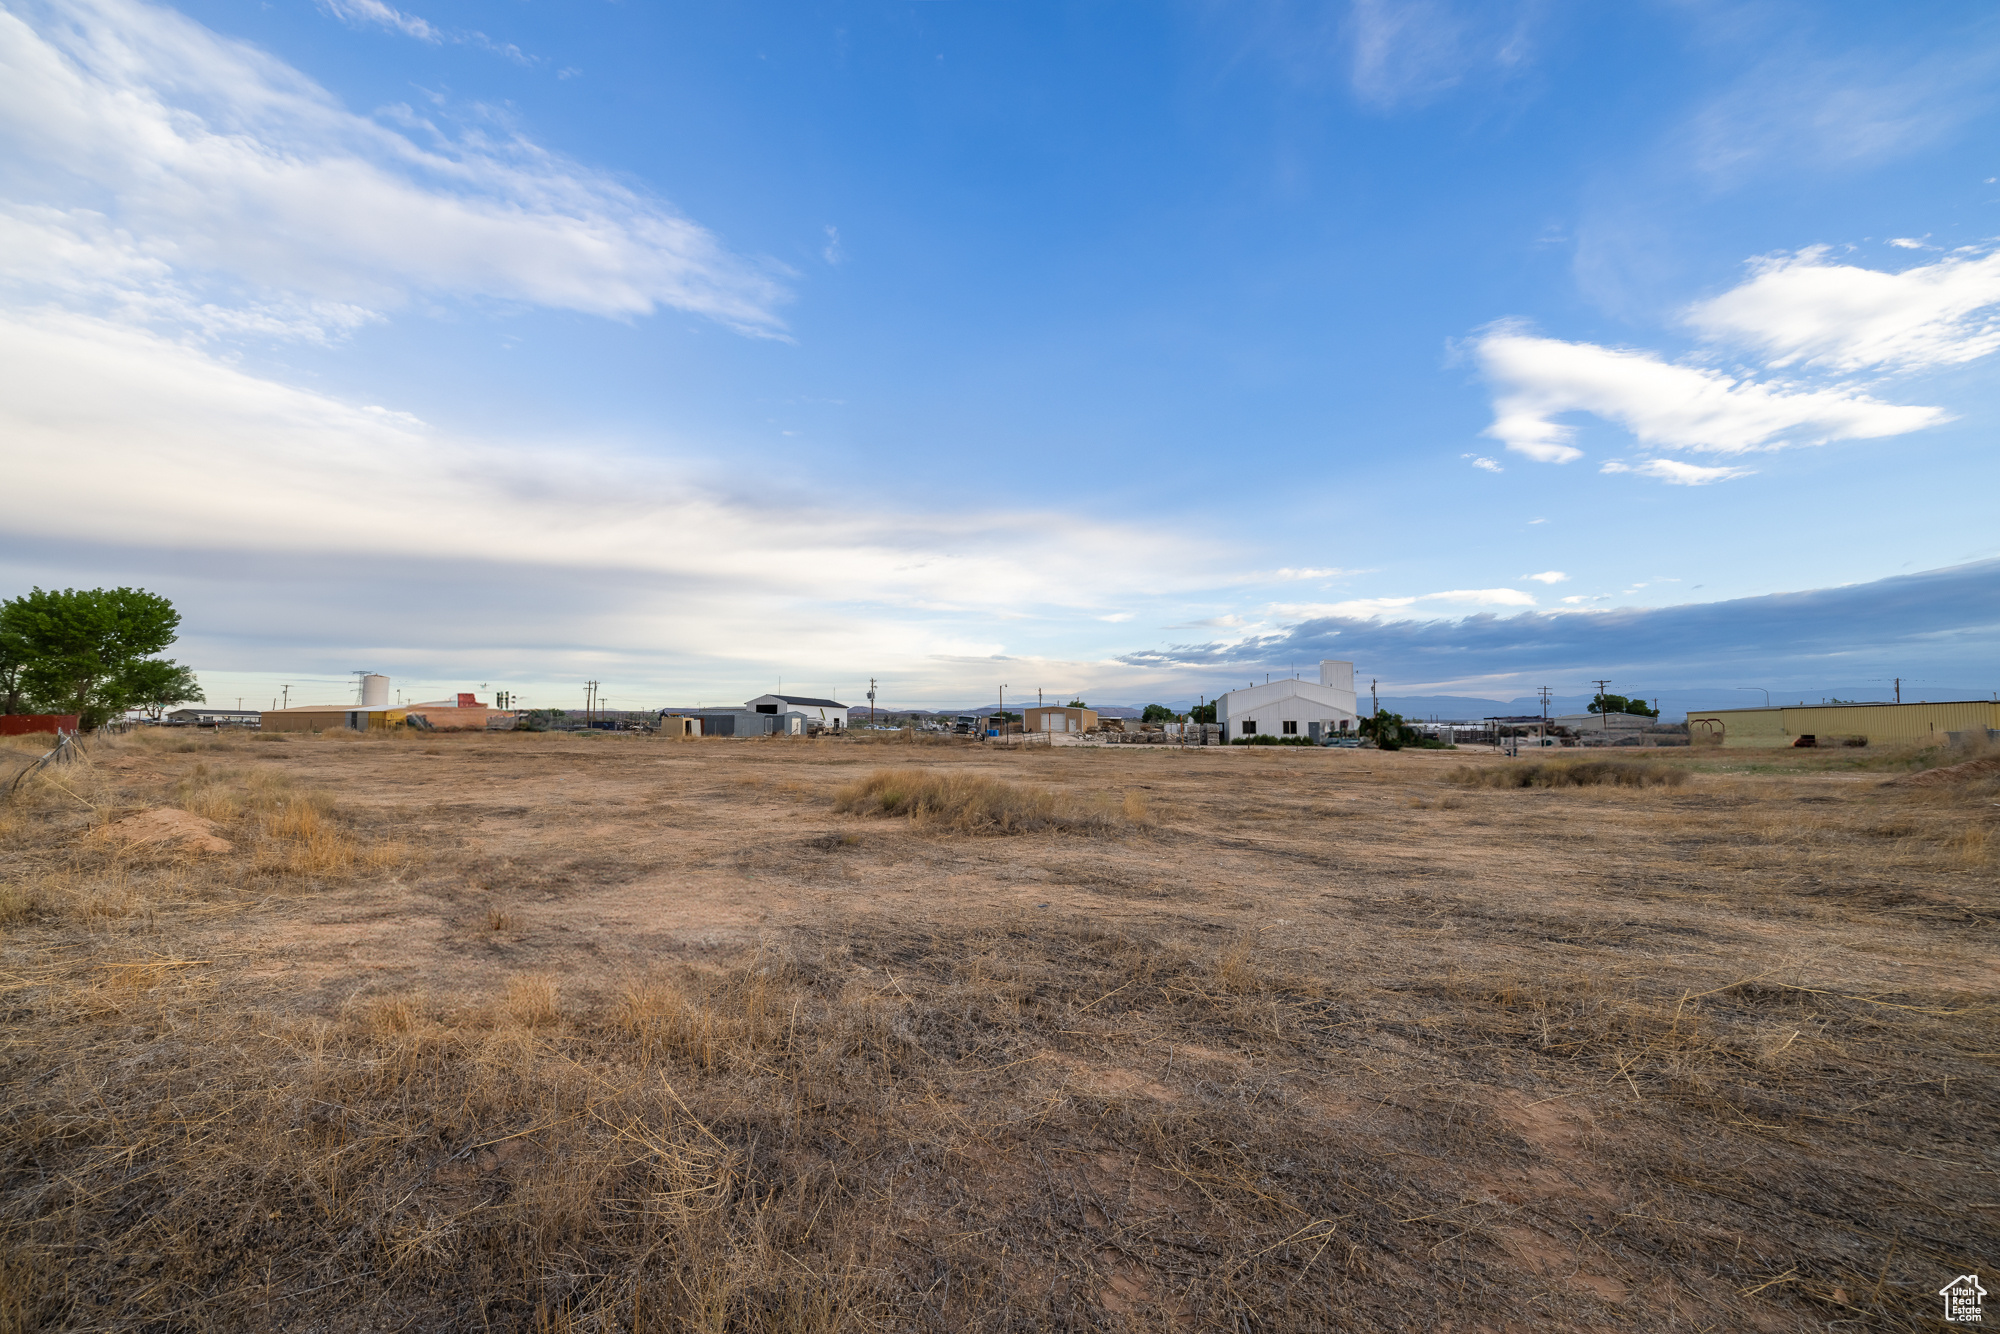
x,y
1844,724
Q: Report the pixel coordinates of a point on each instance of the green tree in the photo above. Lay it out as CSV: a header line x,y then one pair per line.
x,y
157,684
1620,704
1076,704
1389,731
1157,713
13,666
1202,713
80,645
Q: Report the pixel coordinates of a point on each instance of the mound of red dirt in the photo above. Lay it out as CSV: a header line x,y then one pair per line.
x,y
1950,773
184,830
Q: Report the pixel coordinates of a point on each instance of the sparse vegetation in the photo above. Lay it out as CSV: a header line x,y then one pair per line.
x,y
1572,773
1327,1049
973,803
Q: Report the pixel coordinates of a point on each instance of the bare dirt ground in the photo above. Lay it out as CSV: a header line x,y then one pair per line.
x,y
617,1033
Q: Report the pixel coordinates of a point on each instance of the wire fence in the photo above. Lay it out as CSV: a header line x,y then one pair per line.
x,y
67,750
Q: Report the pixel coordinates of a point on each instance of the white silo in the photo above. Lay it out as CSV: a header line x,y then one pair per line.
x,y
374,691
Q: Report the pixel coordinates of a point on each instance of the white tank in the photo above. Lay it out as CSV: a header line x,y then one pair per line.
x,y
374,691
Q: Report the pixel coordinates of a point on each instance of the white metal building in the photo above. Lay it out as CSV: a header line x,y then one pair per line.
x,y
1289,707
204,716
827,713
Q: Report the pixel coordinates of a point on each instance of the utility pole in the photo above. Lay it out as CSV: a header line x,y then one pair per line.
x,y
1899,690
1000,715
288,698
1602,708
1374,704
871,701
1542,740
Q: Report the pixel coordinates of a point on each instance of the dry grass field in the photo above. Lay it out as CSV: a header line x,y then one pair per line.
x,y
615,1033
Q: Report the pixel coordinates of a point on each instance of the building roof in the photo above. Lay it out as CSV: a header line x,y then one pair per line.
x,y
1855,704
339,708
1287,687
803,699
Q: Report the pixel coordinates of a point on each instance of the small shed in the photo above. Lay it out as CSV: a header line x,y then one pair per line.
x,y
682,726
1058,718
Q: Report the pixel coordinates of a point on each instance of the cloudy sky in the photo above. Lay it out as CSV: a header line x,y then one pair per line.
x,y
1126,349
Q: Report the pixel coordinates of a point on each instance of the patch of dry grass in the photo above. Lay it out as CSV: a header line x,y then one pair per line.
x,y
1571,773
978,804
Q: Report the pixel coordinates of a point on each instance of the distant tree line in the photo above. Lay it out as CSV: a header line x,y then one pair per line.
x,y
91,652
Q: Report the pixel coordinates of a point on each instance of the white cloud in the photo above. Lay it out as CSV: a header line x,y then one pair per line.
x,y
1801,309
209,164
1548,577
1408,52
1483,597
1907,243
1404,52
318,483
1482,462
375,12
77,259
363,13
1665,405
1676,472
1867,107
832,253
1374,608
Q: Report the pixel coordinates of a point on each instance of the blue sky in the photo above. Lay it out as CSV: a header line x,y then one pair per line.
x,y
1113,348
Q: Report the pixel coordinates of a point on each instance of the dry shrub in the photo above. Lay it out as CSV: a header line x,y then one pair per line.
x,y
1235,973
16,903
391,1015
706,1021
1570,773
309,842
1971,846
212,804
973,803
69,895
531,1000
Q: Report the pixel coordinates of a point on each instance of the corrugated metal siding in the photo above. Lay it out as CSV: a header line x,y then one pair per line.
x,y
21,724
304,720
1881,724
